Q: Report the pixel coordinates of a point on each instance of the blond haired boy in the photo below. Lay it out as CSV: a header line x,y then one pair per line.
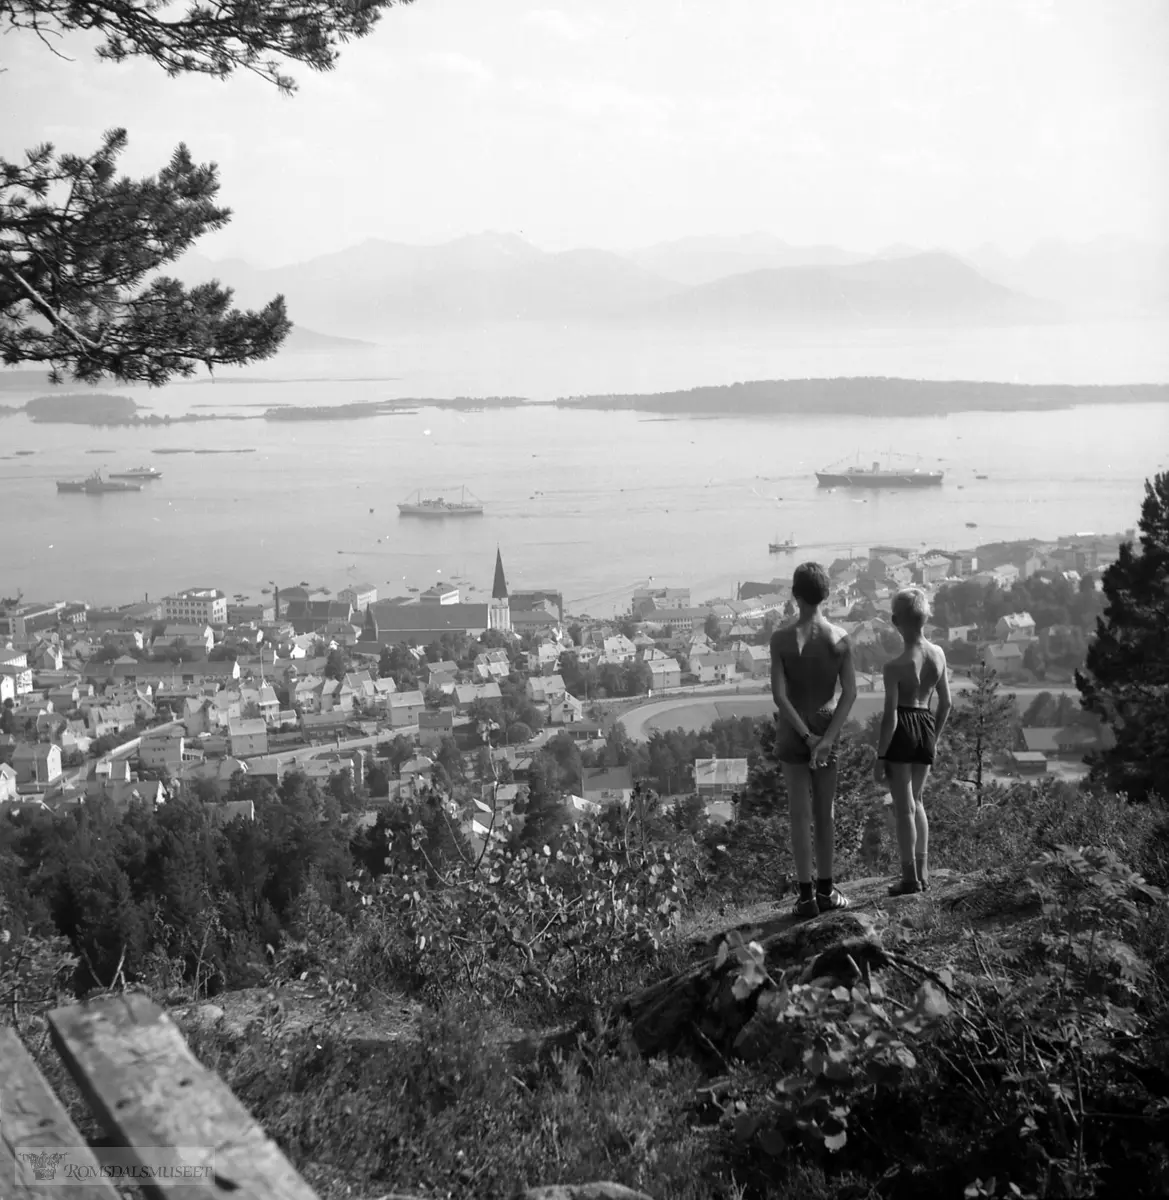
x,y
909,734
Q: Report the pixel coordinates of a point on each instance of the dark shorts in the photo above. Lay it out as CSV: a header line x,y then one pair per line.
x,y
791,748
914,739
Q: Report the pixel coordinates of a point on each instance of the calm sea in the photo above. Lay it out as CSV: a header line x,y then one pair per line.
x,y
592,503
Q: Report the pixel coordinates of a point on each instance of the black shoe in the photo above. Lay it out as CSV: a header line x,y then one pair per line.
x,y
907,888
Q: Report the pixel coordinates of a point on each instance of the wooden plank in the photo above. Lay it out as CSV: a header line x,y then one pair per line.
x,y
149,1091
31,1117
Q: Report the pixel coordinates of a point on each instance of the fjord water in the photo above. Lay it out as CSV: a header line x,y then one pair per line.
x,y
588,501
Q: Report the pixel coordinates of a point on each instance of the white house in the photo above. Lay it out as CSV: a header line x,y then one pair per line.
x,y
544,659
205,605
1015,627
566,711
664,673
166,751
753,661
607,785
248,738
618,649
14,664
492,665
193,634
1006,658
544,689
37,762
467,693
716,778
718,667
404,708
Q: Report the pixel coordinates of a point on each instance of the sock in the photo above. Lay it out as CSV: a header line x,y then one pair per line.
x,y
806,891
922,869
909,872
824,886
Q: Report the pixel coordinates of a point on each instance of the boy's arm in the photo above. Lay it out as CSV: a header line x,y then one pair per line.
x,y
847,695
782,702
889,716
944,702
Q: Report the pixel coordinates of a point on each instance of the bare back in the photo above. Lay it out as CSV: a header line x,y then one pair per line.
x,y
917,670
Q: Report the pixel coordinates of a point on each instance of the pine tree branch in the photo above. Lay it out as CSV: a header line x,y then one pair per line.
x,y
50,313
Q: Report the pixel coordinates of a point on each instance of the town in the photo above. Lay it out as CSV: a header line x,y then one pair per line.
x,y
153,698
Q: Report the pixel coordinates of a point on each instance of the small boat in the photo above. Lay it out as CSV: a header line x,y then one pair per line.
x,y
24,453
137,473
778,547
265,591
95,484
981,476
971,525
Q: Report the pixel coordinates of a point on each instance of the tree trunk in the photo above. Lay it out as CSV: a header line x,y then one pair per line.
x,y
696,1013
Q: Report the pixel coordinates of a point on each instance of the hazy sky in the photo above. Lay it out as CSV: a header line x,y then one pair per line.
x,y
617,124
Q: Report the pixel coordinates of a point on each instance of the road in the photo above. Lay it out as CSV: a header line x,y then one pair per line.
x,y
693,712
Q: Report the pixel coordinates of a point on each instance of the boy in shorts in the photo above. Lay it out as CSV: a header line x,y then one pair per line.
x,y
810,658
909,734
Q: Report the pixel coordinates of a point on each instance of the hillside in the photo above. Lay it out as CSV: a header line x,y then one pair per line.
x,y
489,278
698,260
378,286
1107,276
932,289
307,341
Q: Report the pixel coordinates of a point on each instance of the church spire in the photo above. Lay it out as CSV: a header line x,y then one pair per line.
x,y
499,587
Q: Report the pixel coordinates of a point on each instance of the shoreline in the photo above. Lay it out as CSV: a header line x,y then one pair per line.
x,y
864,396
856,396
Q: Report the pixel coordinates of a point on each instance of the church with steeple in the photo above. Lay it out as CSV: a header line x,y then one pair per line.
x,y
499,610
424,619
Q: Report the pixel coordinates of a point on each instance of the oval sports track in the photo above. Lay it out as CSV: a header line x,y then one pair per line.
x,y
693,713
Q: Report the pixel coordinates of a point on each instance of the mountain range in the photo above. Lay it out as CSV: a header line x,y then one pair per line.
x,y
379,287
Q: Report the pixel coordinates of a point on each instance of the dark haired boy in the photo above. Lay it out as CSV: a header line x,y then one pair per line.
x,y
809,658
909,734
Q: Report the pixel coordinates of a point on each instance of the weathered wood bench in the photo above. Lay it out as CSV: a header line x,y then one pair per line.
x,y
149,1093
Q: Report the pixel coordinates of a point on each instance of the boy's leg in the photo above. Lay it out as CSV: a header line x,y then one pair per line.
x,y
798,779
920,773
904,812
824,824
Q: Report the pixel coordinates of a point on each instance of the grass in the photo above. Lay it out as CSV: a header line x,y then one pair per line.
x,y
446,1109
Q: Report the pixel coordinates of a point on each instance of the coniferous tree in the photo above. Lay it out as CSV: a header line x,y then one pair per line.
x,y
80,247
981,726
1125,680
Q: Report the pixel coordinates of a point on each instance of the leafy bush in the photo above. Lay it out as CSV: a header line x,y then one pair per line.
x,y
556,923
1044,1066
